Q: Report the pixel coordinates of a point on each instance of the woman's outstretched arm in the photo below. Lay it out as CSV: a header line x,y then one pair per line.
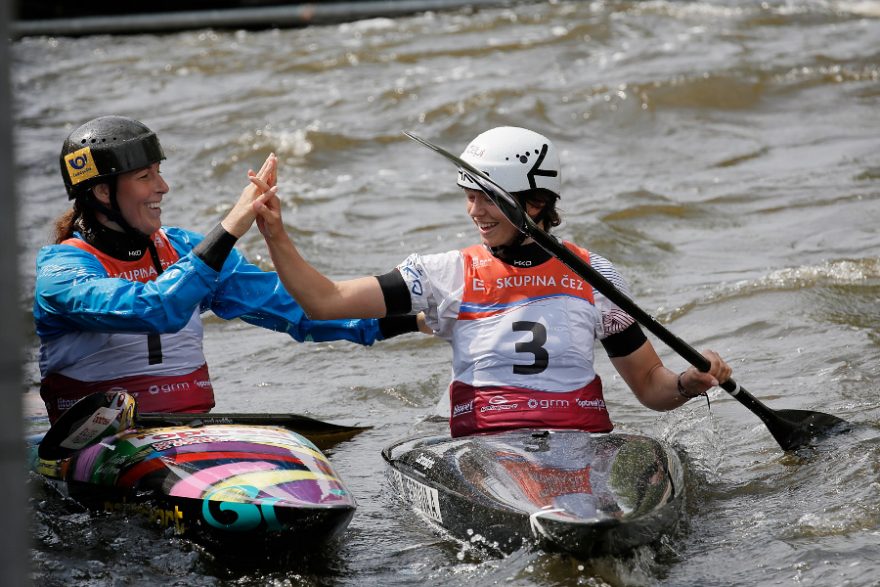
x,y
320,297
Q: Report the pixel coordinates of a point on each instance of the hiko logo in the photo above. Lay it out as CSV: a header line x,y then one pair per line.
x,y
80,165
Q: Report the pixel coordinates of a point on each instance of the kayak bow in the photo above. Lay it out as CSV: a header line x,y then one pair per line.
x,y
239,488
564,490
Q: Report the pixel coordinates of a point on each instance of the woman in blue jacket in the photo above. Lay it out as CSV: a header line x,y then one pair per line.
x,y
119,296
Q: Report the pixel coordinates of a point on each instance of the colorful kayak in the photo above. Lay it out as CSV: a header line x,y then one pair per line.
x,y
239,487
564,490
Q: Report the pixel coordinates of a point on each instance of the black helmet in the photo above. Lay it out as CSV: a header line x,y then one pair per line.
x,y
103,148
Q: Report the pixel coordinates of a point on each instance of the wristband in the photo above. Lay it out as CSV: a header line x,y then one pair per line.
x,y
215,247
681,390
394,325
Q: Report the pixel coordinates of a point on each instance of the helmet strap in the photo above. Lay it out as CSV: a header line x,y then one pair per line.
x,y
114,212
506,251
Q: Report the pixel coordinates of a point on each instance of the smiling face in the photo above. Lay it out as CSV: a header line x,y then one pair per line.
x,y
494,227
139,194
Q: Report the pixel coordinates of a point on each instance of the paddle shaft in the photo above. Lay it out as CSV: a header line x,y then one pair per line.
x,y
606,288
517,216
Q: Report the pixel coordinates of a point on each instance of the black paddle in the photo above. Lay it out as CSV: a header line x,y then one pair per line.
x,y
76,428
792,429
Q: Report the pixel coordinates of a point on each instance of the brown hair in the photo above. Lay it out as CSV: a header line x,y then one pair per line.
x,y
546,200
79,218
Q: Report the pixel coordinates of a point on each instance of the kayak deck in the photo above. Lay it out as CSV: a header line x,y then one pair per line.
x,y
229,486
564,490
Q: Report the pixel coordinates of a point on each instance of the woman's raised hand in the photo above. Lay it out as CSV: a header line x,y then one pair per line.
x,y
268,174
242,215
268,210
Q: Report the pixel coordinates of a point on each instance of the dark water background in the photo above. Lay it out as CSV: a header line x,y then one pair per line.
x,y
725,154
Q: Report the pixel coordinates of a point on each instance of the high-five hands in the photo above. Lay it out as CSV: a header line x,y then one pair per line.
x,y
243,213
267,207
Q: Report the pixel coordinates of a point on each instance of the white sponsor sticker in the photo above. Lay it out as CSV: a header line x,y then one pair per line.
x,y
91,428
178,435
425,499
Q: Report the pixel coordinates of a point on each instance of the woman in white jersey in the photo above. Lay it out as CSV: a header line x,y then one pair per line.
x,y
522,326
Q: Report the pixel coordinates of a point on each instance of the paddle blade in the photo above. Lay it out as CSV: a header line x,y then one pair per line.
x,y
322,434
795,429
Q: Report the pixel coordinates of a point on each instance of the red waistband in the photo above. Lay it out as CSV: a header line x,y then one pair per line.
x,y
492,409
192,392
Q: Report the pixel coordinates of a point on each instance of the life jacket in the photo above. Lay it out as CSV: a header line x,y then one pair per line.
x,y
164,372
523,348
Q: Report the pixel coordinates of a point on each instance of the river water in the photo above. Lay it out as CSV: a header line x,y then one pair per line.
x,y
724,154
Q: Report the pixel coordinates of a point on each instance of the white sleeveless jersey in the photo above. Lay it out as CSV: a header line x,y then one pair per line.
x,y
100,356
525,327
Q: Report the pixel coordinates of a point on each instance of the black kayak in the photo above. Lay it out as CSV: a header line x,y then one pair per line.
x,y
562,490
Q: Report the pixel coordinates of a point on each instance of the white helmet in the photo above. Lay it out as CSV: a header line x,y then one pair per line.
x,y
515,158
